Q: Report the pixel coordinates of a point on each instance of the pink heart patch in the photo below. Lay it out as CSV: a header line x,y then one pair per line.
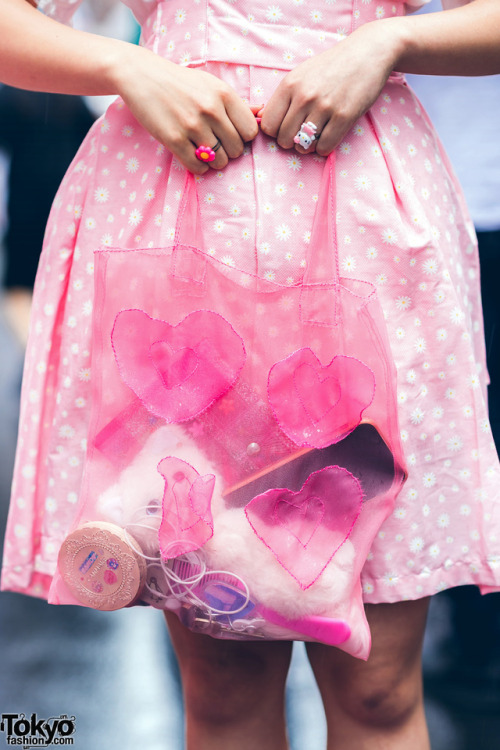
x,y
177,371
174,367
305,529
317,405
310,513
319,396
186,508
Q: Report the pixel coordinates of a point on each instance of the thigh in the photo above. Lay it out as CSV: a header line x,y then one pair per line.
x,y
233,690
243,673
389,682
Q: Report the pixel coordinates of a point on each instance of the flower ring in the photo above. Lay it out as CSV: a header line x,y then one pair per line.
x,y
205,153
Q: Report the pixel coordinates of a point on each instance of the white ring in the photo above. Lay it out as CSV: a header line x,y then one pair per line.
x,y
307,134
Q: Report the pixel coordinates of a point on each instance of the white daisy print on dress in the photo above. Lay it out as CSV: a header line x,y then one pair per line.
x,y
362,182
389,236
274,13
283,232
101,195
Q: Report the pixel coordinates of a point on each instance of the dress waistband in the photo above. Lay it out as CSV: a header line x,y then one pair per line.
x,y
267,35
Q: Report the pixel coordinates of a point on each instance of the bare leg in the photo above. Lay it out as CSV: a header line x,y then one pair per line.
x,y
378,704
233,690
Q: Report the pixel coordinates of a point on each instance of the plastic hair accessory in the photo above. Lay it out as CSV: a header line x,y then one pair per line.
x,y
306,135
206,153
186,508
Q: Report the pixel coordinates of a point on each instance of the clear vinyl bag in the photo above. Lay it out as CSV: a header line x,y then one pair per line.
x,y
243,447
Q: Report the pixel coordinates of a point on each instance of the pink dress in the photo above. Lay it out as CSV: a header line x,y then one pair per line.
x,y
401,225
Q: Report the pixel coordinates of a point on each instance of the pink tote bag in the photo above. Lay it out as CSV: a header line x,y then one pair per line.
x,y
243,447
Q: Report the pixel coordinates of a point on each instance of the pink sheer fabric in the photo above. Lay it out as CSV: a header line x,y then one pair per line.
x,y
319,405
262,508
305,529
177,371
186,509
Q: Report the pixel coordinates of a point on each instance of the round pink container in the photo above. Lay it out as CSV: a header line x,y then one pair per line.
x,y
102,566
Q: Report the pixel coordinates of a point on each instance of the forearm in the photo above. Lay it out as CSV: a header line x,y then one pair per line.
x,y
39,54
464,41
179,106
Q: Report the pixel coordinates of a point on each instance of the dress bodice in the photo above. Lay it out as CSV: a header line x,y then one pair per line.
x,y
265,34
336,16
268,33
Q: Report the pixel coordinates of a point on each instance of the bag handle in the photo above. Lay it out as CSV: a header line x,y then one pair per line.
x,y
188,267
320,302
322,266
322,260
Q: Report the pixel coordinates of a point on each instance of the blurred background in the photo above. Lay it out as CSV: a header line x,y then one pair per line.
x,y
116,672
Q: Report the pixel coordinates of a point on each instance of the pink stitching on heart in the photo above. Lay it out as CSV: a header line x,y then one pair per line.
x,y
174,367
177,371
303,510
306,379
302,542
317,405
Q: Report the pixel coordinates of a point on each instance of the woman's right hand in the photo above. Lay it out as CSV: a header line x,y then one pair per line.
x,y
181,107
184,108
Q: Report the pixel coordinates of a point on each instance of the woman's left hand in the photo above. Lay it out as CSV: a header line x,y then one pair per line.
x,y
333,89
